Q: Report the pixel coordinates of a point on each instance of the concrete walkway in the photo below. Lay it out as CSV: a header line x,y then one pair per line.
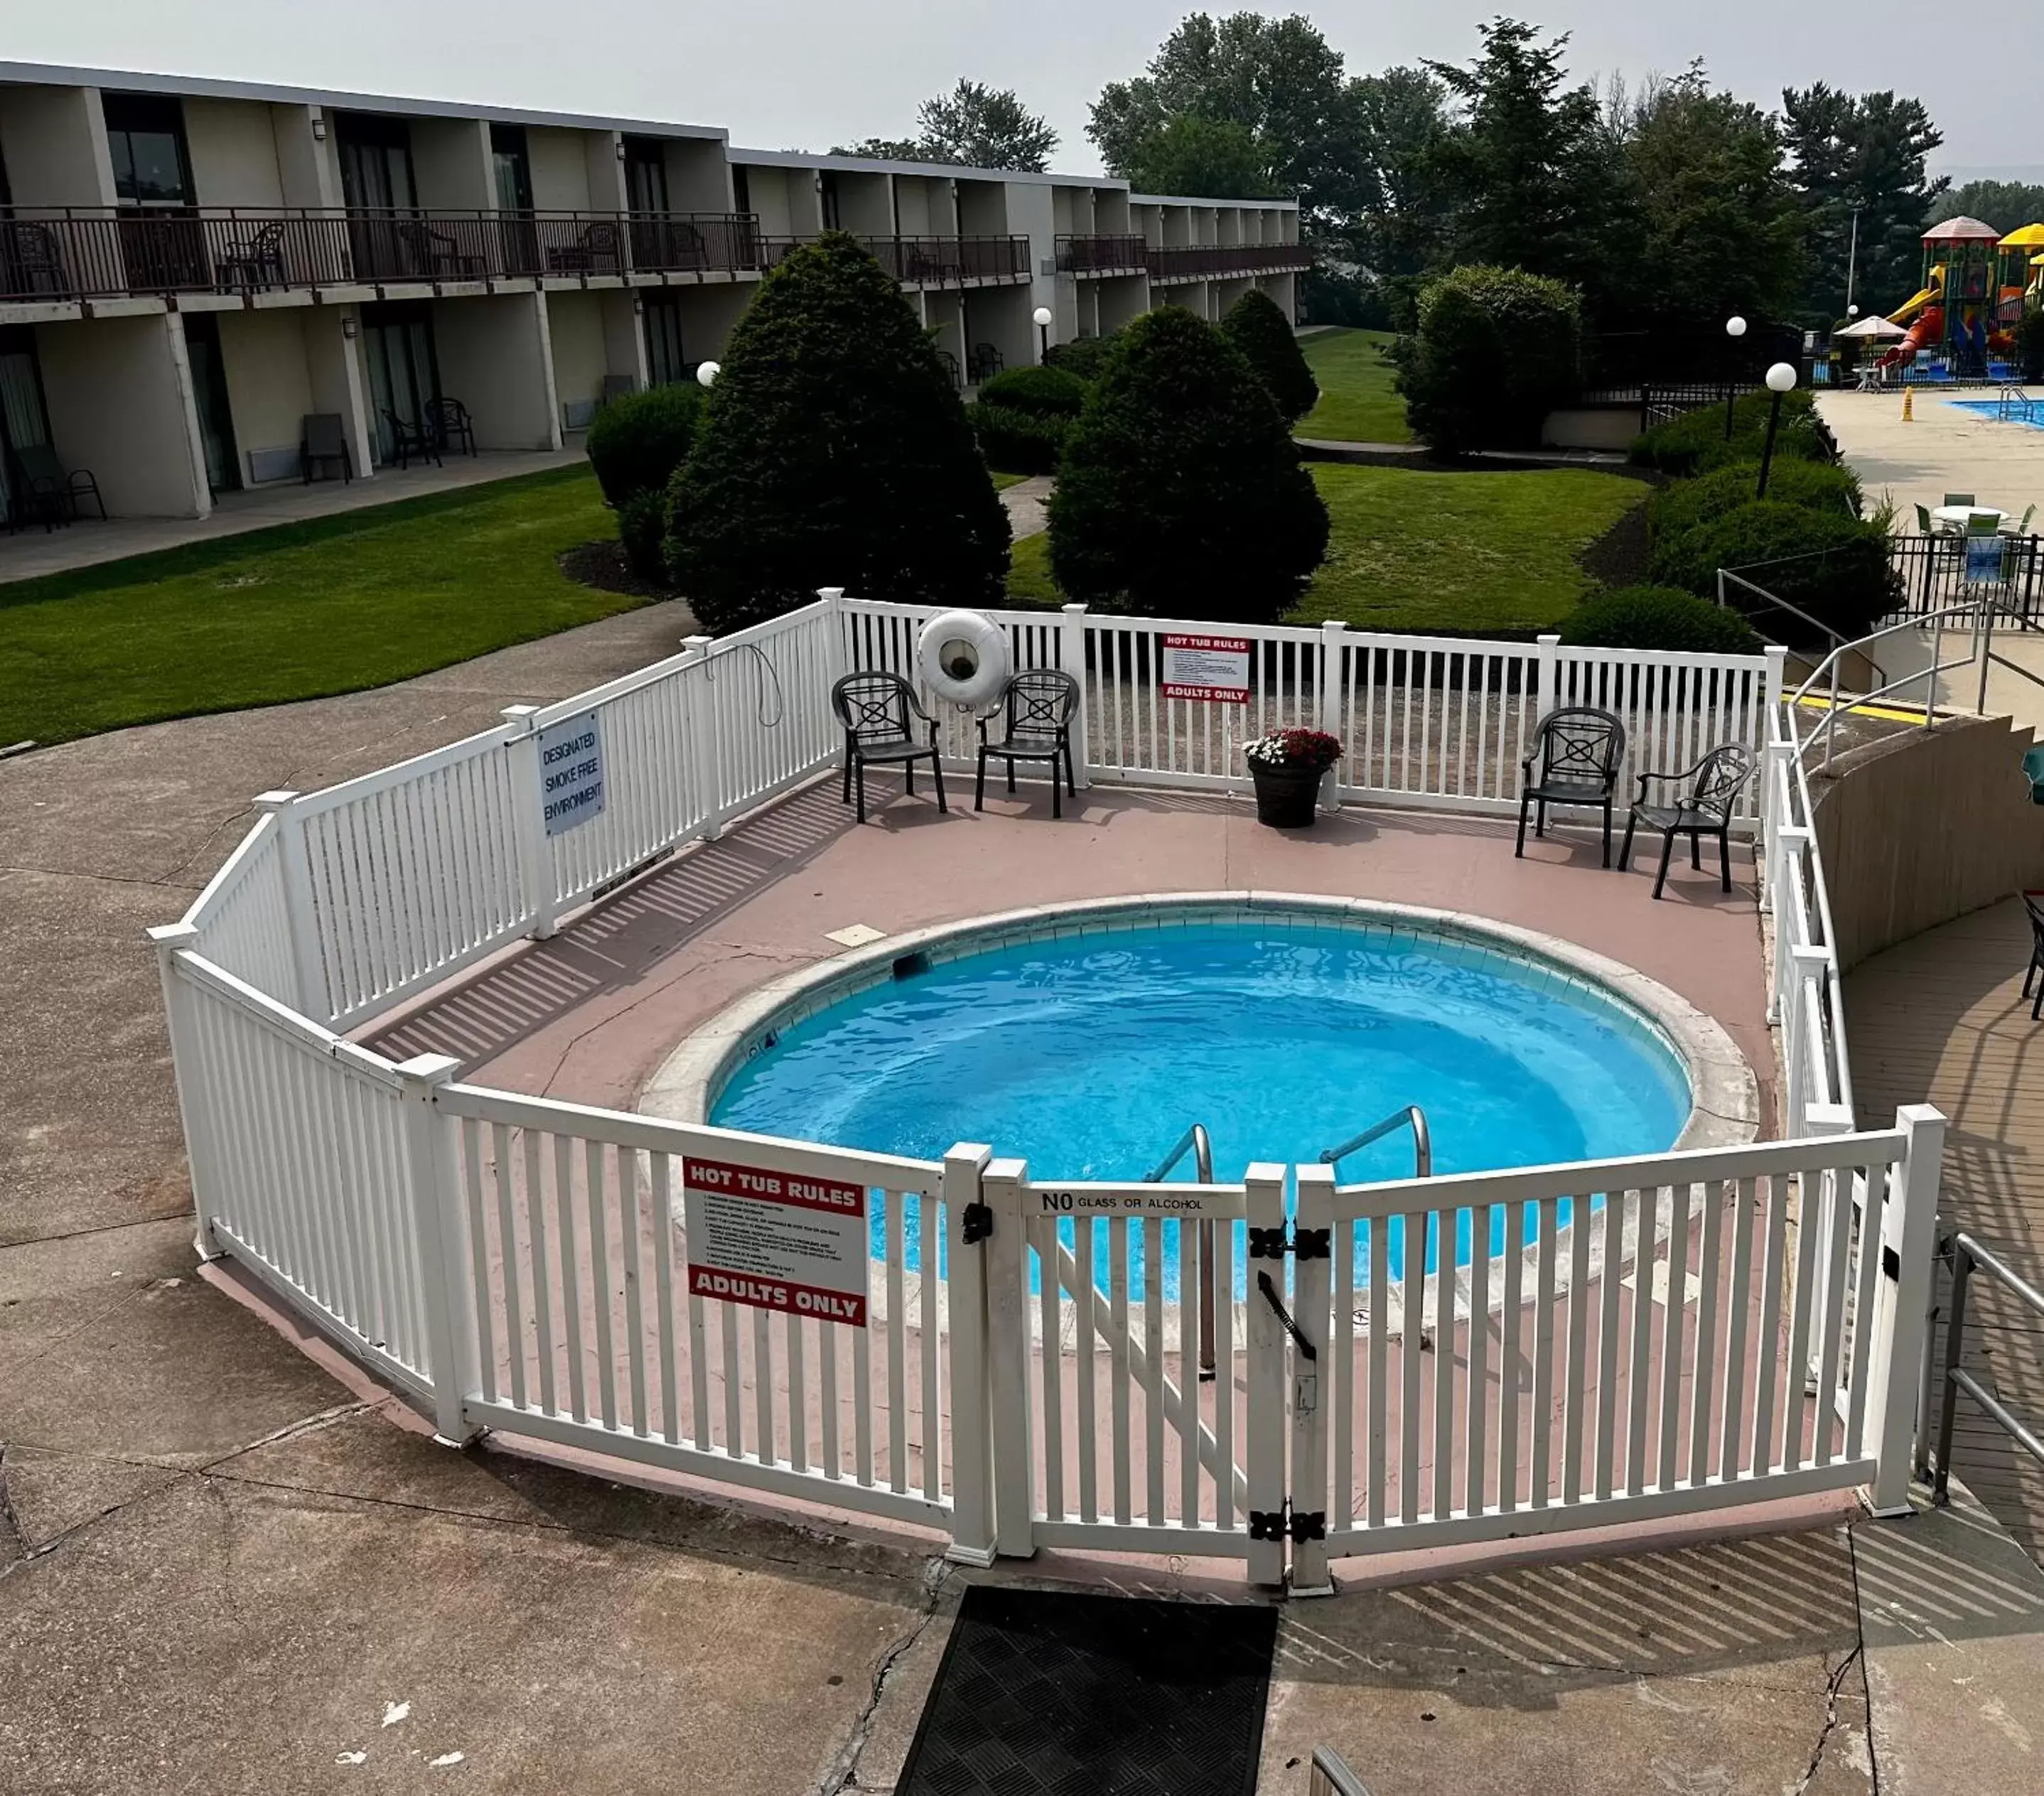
x,y
1942,449
30,553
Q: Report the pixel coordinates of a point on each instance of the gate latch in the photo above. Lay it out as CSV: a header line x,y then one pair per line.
x,y
1305,1243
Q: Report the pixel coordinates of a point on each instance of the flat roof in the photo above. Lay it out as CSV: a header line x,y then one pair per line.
x,y
1180,199
941,171
132,81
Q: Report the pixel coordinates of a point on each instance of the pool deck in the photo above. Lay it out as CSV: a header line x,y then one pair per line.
x,y
590,1015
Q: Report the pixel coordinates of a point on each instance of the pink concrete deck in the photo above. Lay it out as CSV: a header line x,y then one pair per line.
x,y
589,1015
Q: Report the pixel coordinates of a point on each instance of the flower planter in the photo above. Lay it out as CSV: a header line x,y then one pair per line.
x,y
1286,797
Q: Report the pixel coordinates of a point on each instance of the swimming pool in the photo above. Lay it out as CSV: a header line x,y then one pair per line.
x,y
1991,410
1088,1050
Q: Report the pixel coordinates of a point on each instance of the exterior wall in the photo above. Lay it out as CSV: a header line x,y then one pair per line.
x,y
54,141
1283,291
1122,298
1226,292
1591,427
783,199
866,204
698,175
623,342
451,164
916,207
269,383
560,170
1111,213
308,170
603,170
581,351
334,369
1918,828
1029,209
999,315
119,397
233,148
494,358
982,208
709,313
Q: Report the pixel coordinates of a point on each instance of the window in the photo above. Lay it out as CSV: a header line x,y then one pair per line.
x,y
403,374
24,423
375,163
741,186
513,168
645,174
145,135
664,365
827,192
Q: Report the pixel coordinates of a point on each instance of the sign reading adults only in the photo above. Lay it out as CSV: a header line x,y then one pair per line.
x,y
1212,669
571,772
776,1240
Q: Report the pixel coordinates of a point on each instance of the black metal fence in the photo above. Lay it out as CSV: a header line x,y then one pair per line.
x,y
1195,259
928,261
2002,573
1682,368
1096,255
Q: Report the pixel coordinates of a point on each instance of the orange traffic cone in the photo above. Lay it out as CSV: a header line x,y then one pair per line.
x,y
1908,404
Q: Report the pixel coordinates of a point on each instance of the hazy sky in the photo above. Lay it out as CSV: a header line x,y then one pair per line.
x,y
805,74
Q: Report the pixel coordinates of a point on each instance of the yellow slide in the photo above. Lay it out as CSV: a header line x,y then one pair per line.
x,y
1910,308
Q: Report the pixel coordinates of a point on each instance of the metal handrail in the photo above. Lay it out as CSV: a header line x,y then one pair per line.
x,y
1200,1144
1968,1256
1423,1141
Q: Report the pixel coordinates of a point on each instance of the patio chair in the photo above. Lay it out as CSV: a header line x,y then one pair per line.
x,y
449,421
951,365
1035,713
409,440
875,708
1705,809
1578,748
257,261
598,249
53,491
31,264
323,437
986,362
1958,499
437,254
2029,973
2021,526
1925,525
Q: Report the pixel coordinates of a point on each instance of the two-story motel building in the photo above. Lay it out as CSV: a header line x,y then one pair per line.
x,y
189,268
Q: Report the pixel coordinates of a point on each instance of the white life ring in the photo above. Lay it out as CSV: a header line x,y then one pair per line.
x,y
963,657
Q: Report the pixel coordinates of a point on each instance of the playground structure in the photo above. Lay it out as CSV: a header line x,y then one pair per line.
x,y
1976,283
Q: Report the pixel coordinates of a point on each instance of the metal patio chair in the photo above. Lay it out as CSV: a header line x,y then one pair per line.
x,y
874,709
409,440
2036,966
1578,748
449,421
1036,710
323,437
51,490
1705,809
256,261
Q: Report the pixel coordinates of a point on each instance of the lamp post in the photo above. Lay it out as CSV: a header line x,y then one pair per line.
x,y
1735,329
1043,316
1779,379
706,373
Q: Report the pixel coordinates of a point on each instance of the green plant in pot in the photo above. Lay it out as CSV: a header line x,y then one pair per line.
x,y
1286,767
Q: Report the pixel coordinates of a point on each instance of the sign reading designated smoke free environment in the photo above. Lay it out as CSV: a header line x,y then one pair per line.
x,y
571,772
1214,669
776,1240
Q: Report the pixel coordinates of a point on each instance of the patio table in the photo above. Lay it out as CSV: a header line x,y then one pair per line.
x,y
1957,517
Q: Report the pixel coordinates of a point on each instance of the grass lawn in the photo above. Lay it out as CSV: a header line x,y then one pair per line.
x,y
1357,404
1002,482
298,611
1411,551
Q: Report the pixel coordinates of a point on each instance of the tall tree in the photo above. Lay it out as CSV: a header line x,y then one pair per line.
x,y
1400,118
975,126
2007,206
1862,154
1189,154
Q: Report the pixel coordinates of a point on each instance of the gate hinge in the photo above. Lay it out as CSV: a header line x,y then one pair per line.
x,y
1267,1243
1266,1524
975,1224
1312,1243
1288,1524
1305,1243
1307,1524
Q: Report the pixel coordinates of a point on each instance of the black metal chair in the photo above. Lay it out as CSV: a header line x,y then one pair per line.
x,y
323,437
256,261
451,425
985,363
1705,809
2036,952
410,439
1036,710
50,491
875,708
1578,748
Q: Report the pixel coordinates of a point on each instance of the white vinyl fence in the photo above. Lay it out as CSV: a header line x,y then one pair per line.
x,y
1023,1375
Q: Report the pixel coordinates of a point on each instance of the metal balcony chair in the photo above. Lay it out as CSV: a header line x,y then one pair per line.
x,y
1705,809
435,253
874,709
256,261
1578,748
598,249
31,265
323,437
1035,713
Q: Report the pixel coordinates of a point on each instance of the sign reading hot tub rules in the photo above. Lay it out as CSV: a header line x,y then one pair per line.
x,y
776,1240
571,772
1213,669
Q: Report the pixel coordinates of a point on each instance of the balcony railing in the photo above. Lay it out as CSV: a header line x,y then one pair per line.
x,y
73,253
930,261
1104,254
1188,262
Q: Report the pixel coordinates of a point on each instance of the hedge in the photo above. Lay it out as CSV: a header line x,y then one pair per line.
x,y
1016,442
1257,327
1495,351
1812,486
1834,568
1658,617
1042,392
638,439
1695,443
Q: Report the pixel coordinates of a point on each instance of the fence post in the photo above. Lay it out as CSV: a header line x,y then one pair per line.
x,y
1908,1244
529,819
1072,657
434,1188
1777,813
187,1076
1328,713
1312,1382
704,737
972,1462
1008,1360
308,976
1264,1184
1548,661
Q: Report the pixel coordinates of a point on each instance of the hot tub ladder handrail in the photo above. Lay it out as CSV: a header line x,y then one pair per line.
x,y
1200,1144
1423,1141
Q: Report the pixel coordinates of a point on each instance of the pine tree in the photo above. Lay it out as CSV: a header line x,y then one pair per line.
x,y
1256,327
1180,493
835,451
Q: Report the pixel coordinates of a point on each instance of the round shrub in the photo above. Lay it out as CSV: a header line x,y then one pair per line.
x,y
1834,568
1658,617
1264,335
1495,351
642,527
1695,442
637,441
1045,392
1180,493
834,452
1084,357
1016,442
1814,485
2029,343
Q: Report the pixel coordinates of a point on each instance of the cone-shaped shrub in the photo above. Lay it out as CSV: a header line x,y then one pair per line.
x,y
1180,494
835,452
1257,327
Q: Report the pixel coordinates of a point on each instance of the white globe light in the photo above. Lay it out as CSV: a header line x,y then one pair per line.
x,y
706,373
1781,377
1735,327
1852,311
1044,315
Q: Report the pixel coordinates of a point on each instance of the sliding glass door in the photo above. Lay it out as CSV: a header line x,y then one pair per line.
x,y
25,421
376,186
404,375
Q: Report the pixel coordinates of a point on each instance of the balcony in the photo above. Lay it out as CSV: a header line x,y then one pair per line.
x,y
939,262
1203,261
1125,255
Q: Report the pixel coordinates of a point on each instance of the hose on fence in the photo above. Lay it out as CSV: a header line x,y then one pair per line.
x,y
767,672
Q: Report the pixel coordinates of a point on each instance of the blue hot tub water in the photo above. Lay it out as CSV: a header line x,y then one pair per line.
x,y
1088,1055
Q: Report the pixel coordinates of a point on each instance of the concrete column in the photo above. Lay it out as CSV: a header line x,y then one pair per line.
x,y
308,167
604,151
450,163
333,363
120,404
53,140
623,341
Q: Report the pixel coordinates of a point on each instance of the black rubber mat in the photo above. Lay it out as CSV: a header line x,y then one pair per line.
x,y
1043,1693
